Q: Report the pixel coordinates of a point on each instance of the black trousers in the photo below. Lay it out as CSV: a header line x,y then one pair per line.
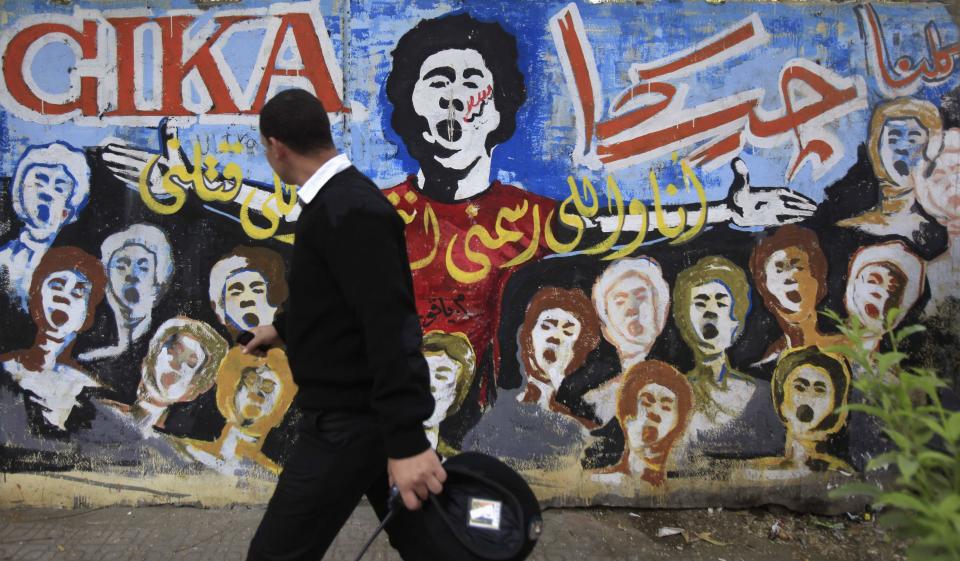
x,y
336,460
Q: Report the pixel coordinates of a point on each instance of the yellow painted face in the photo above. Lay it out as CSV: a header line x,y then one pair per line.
x,y
258,391
808,398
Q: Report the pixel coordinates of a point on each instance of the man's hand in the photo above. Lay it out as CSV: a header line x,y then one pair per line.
x,y
265,335
764,207
417,477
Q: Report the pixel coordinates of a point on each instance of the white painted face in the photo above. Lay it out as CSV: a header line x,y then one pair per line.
x,y
711,315
807,400
631,310
657,415
133,279
178,362
903,143
874,287
65,296
940,193
789,279
46,191
554,337
245,300
455,95
443,384
257,394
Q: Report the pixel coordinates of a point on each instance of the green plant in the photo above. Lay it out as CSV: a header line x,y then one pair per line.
x,y
923,501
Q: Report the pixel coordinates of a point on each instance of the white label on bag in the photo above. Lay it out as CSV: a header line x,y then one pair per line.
x,y
485,513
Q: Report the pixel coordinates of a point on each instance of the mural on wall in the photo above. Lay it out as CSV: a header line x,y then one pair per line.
x,y
623,222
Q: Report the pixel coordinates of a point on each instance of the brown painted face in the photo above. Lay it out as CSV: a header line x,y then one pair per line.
x,y
657,415
877,288
792,288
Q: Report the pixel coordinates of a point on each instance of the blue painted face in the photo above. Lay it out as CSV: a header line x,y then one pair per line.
x,y
903,145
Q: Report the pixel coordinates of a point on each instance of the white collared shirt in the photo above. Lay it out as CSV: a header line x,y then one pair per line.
x,y
331,167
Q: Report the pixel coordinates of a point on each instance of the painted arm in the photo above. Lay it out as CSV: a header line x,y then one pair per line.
x,y
745,206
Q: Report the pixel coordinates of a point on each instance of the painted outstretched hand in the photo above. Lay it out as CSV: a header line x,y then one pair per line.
x,y
128,163
751,207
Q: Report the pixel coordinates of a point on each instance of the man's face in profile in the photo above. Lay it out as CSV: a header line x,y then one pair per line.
x,y
454,94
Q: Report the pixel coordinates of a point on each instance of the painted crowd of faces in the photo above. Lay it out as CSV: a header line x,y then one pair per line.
x,y
645,419
55,398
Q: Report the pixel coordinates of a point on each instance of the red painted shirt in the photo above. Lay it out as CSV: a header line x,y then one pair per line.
x,y
461,253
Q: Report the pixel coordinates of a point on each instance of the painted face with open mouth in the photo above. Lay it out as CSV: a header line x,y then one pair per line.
x,y
454,94
180,359
903,143
631,309
657,415
133,278
553,338
877,288
65,296
711,315
245,300
808,399
46,192
789,281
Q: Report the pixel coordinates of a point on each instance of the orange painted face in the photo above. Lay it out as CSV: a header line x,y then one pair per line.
x,y
789,282
631,303
657,415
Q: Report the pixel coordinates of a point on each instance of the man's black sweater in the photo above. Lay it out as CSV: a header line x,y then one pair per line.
x,y
351,327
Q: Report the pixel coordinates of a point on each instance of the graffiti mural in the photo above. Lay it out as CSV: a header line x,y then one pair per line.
x,y
624,223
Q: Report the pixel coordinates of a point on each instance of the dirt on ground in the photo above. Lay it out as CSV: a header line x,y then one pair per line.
x,y
744,535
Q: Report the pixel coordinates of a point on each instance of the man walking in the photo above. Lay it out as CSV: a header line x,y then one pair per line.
x,y
353,340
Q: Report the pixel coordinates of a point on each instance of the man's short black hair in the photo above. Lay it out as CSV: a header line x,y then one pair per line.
x,y
461,31
297,118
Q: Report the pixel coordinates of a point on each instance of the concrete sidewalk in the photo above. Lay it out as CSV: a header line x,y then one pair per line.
x,y
175,533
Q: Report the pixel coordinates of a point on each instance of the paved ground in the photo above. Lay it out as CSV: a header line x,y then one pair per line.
x,y
168,533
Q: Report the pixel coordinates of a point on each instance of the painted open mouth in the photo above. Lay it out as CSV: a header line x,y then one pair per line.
x,y
59,317
549,355
131,294
872,311
901,167
450,130
710,331
794,296
251,319
805,413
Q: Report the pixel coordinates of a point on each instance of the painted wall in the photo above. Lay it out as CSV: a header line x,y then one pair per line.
x,y
622,220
